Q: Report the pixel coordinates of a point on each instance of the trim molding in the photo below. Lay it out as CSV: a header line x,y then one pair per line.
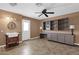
x,y
2,46
20,41
35,37
76,44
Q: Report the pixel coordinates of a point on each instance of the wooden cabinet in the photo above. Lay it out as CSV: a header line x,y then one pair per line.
x,y
43,35
12,41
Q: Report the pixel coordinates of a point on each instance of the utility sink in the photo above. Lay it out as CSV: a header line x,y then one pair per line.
x,y
12,34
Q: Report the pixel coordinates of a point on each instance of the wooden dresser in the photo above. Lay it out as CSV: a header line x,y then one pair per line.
x,y
12,41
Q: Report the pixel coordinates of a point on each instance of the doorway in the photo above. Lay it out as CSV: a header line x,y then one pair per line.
x,y
25,30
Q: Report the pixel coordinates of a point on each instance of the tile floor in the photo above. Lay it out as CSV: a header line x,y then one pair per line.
x,y
41,47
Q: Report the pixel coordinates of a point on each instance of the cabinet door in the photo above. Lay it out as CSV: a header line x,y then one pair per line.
x,y
49,36
69,39
61,37
54,36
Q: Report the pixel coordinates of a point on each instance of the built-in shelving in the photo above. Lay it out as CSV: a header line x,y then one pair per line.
x,y
60,24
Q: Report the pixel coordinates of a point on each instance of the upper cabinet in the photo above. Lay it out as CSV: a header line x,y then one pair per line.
x,y
60,24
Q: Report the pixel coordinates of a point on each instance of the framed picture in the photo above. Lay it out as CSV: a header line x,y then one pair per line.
x,y
48,25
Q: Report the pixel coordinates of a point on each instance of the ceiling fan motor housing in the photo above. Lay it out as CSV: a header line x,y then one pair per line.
x,y
44,11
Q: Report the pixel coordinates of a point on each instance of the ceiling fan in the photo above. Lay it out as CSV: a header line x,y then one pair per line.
x,y
45,13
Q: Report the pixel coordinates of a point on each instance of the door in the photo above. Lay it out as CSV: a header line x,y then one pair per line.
x,y
25,29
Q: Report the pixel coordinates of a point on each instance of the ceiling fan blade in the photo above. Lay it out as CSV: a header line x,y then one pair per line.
x,y
49,12
40,15
46,15
38,12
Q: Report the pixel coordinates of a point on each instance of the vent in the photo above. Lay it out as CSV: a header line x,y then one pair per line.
x,y
39,4
13,4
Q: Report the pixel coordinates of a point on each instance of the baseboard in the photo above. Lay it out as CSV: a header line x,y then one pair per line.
x,y
35,37
20,41
2,46
76,44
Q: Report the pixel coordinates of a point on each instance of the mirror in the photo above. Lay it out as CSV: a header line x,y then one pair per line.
x,y
11,25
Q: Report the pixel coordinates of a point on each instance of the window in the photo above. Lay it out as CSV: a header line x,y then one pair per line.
x,y
63,24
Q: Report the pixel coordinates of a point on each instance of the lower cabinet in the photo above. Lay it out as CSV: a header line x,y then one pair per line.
x,y
69,39
60,37
12,41
42,35
49,36
54,37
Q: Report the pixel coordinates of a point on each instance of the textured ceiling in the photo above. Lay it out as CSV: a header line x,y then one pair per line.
x,y
30,9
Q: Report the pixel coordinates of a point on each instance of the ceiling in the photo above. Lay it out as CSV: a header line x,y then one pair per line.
x,y
30,9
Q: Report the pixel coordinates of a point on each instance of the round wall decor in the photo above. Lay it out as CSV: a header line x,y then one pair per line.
x,y
11,25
